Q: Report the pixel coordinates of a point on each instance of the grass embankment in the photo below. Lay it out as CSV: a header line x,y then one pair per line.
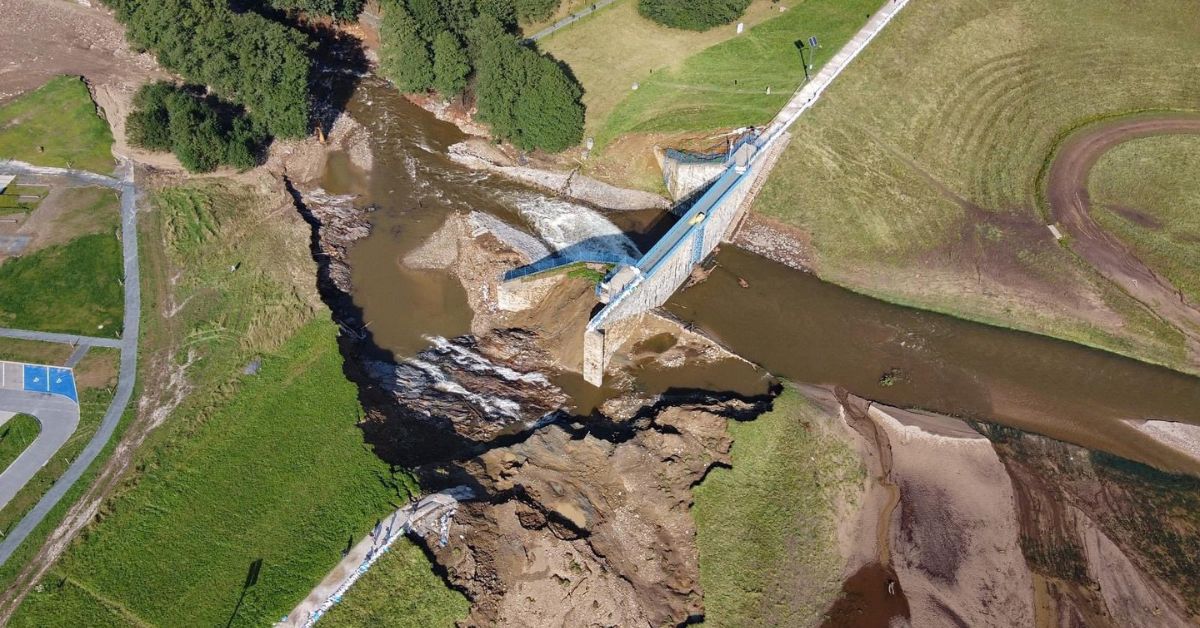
x,y
269,466
1147,192
616,47
57,125
767,528
917,173
400,591
15,435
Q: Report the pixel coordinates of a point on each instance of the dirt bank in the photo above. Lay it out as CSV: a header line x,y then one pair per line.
x,y
1066,192
1110,542
482,155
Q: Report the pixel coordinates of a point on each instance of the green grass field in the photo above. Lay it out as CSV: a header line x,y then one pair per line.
x,y
400,591
1147,192
279,473
767,528
917,174
725,86
57,125
15,435
271,466
70,288
615,47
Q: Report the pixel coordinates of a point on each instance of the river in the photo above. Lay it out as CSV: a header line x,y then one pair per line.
x,y
793,324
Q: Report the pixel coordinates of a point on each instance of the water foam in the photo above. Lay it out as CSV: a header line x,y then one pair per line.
x,y
576,230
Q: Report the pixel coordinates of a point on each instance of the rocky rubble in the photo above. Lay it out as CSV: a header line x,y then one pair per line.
x,y
588,525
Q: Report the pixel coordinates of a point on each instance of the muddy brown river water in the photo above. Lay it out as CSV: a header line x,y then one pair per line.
x,y
793,324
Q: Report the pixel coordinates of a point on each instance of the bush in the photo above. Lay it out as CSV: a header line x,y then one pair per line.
x,y
202,131
693,15
253,61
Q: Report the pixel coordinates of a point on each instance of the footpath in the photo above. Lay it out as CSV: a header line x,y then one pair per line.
x,y
435,509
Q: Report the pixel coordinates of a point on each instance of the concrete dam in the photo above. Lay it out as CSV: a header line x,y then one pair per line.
x,y
635,287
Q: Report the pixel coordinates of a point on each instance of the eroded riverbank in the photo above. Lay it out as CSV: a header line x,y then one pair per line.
x,y
458,411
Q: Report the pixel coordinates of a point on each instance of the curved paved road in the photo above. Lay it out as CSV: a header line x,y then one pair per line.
x,y
59,417
1066,192
128,343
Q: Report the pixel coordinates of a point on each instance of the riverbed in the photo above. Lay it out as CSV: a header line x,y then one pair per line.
x,y
791,323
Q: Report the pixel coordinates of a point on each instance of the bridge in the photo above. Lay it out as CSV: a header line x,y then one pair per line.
x,y
630,289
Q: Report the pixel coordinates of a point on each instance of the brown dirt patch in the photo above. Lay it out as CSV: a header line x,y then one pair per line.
x,y
1066,192
68,213
98,369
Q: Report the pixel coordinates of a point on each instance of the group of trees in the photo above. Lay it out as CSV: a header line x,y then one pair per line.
x,y
343,10
242,56
694,15
202,131
527,98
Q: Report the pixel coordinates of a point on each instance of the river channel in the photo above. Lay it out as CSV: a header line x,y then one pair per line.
x,y
791,323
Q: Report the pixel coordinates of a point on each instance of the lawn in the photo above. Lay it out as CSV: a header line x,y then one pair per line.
x,y
916,176
725,86
400,591
15,435
57,125
614,48
279,473
1147,192
767,527
71,288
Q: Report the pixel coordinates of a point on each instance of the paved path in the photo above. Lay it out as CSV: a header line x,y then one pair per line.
x,y
59,417
570,19
809,92
67,339
127,344
330,590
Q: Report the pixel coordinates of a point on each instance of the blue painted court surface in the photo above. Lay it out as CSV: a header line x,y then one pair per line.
x,y
49,379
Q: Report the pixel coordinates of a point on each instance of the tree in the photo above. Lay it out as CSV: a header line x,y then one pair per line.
x,y
404,59
148,125
549,111
695,15
341,10
260,64
428,18
450,65
534,10
202,131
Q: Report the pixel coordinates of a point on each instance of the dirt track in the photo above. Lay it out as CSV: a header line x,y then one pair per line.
x,y
1066,191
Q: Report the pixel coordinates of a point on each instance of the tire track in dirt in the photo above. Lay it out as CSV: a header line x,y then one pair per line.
x,y
1070,206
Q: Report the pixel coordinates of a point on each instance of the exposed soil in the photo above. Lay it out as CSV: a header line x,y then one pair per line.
x,y
589,524
1066,191
1110,542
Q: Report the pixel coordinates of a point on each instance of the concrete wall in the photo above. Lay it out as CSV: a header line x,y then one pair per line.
x,y
660,281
